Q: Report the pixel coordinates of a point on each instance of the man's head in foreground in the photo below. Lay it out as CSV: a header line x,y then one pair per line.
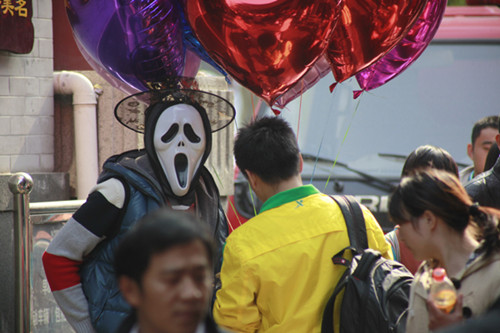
x,y
164,268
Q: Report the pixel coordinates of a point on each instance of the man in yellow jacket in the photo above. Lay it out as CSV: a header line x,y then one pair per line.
x,y
277,273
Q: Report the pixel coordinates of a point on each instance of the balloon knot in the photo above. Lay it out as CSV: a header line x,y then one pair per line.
x,y
276,111
333,86
357,93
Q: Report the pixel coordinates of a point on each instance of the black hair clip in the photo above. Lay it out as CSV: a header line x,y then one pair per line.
x,y
474,209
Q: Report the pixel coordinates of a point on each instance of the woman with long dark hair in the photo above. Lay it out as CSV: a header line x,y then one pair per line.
x,y
442,226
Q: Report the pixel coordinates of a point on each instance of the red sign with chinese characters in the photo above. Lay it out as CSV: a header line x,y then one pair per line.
x,y
16,28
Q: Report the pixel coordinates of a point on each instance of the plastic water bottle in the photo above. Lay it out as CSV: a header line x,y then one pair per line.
x,y
442,292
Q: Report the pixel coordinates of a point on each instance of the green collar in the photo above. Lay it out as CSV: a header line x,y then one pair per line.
x,y
289,196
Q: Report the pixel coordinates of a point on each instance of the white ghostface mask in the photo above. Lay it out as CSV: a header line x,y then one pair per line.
x,y
179,141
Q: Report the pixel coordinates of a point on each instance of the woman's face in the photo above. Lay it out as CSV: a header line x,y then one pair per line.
x,y
416,237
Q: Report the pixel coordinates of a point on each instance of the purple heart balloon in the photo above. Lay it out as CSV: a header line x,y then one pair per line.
x,y
136,42
406,51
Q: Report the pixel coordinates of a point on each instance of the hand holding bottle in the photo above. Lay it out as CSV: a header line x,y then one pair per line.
x,y
439,319
442,291
444,305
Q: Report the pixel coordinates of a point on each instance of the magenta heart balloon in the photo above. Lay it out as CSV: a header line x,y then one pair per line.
x,y
137,42
367,30
266,45
407,51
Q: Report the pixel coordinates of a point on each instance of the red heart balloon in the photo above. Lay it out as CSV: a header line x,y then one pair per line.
x,y
266,45
320,68
367,30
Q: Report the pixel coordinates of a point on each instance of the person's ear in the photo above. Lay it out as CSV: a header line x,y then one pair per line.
x,y
130,290
253,179
470,150
497,138
430,220
301,163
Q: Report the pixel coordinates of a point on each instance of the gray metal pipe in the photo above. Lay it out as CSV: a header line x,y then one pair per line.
x,y
21,184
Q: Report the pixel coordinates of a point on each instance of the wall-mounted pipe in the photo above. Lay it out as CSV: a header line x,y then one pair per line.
x,y
85,123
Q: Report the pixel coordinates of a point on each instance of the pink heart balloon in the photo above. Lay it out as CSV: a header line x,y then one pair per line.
x,y
407,51
266,45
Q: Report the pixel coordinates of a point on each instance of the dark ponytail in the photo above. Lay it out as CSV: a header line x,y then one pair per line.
x,y
486,220
442,193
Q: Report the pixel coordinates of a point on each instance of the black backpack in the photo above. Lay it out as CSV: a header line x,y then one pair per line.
x,y
376,290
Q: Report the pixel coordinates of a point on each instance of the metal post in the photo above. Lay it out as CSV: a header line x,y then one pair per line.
x,y
21,184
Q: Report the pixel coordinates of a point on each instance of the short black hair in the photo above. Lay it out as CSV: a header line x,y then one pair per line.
x,y
268,148
485,122
438,191
429,156
155,233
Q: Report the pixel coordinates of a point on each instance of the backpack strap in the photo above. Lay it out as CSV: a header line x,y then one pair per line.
x,y
356,230
354,220
327,321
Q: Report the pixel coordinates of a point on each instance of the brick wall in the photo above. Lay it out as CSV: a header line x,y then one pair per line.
x,y
27,101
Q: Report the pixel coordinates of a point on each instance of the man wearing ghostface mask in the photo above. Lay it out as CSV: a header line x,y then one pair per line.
x,y
170,171
176,145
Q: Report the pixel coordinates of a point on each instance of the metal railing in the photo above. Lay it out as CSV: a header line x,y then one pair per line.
x,y
34,226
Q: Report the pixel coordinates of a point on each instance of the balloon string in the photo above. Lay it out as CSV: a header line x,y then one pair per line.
x,y
214,170
342,144
235,214
322,139
300,108
254,115
250,188
236,127
257,108
253,107
253,200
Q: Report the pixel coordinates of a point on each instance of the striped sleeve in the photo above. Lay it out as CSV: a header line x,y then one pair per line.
x,y
79,236
392,238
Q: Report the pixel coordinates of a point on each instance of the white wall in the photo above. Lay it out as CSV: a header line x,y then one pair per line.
x,y
27,102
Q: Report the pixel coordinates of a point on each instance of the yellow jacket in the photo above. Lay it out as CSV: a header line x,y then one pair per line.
x,y
277,273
